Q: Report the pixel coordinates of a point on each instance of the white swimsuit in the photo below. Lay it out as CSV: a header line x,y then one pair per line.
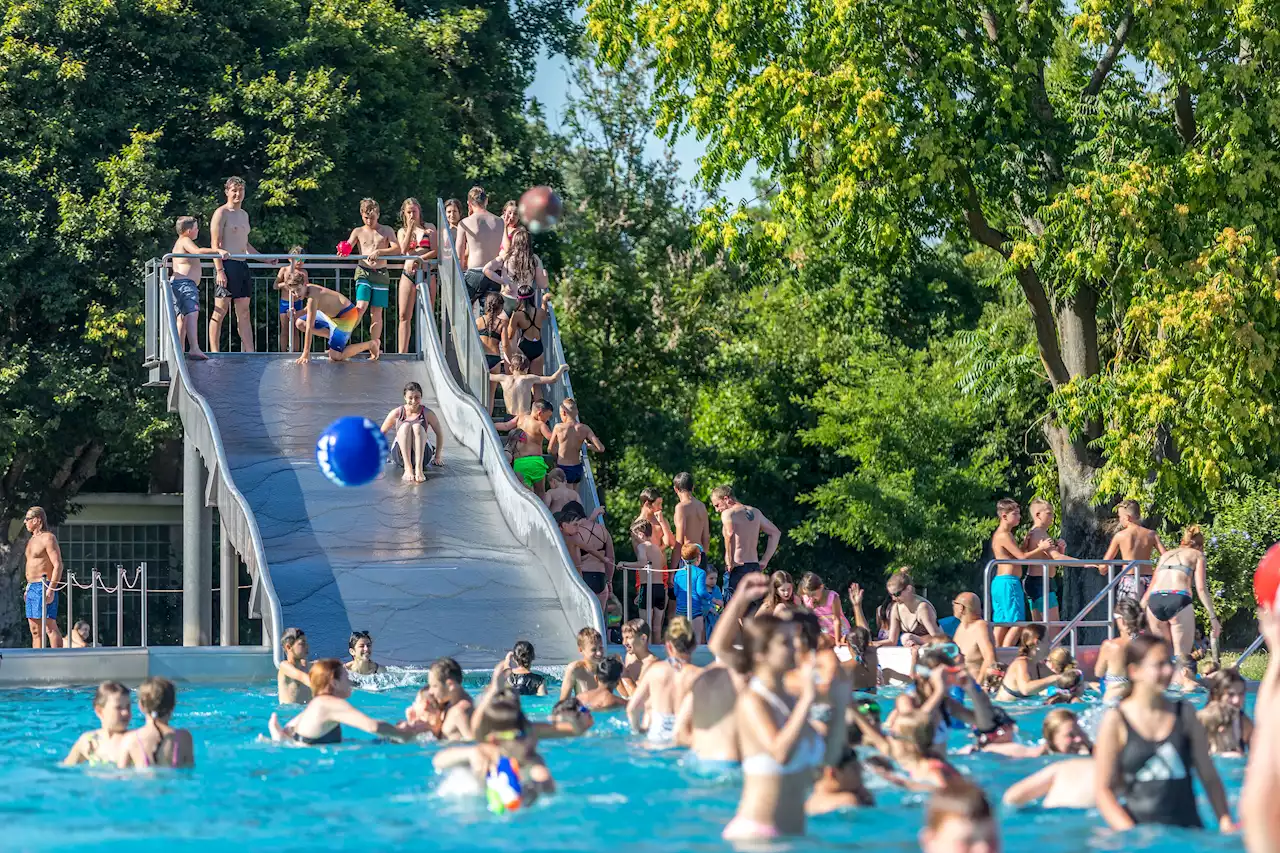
x,y
662,729
805,755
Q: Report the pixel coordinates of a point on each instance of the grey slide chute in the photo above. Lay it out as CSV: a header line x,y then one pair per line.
x,y
462,565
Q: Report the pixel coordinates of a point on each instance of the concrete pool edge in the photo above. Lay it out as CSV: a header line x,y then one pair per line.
x,y
188,665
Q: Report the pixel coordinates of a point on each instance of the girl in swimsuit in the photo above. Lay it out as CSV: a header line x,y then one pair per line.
x,y
415,237
1110,665
361,647
1148,748
591,549
409,422
515,267
104,746
1168,601
489,327
521,679
158,744
322,720
1226,692
1028,675
782,591
524,327
825,604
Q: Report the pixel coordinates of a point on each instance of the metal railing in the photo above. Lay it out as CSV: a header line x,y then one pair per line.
x,y
1249,651
69,585
200,426
1072,625
649,571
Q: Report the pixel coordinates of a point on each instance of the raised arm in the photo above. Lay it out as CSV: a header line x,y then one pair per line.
x,y
855,600
555,377
295,673
729,626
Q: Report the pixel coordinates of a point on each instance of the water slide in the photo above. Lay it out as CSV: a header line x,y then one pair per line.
x,y
462,565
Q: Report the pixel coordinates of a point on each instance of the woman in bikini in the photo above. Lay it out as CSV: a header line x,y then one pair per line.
x,y
103,746
1028,675
591,549
1109,669
409,422
321,722
489,326
415,237
1168,601
158,744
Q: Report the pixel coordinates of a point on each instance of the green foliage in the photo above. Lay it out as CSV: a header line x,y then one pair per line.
x,y
1246,522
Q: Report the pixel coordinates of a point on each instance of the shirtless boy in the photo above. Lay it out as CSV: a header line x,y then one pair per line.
x,y
1133,542
329,315
973,636
1038,590
559,493
517,386
373,282
1008,602
635,639
230,233
479,240
444,681
580,676
44,563
690,519
527,459
185,284
605,697
742,526
293,683
567,440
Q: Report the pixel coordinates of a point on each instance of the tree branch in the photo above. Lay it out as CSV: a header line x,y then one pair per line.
x,y
1185,115
1046,328
17,467
982,231
990,23
1108,59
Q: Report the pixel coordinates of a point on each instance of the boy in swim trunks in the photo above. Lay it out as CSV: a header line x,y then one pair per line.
x,y
580,676
444,681
293,682
373,282
531,430
1008,601
185,282
1041,594
635,639
233,287
329,315
289,311
567,440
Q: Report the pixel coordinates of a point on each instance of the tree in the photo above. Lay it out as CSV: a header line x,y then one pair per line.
x,y
119,117
1114,192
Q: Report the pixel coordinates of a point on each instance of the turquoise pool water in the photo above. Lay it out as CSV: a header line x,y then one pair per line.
x,y
361,796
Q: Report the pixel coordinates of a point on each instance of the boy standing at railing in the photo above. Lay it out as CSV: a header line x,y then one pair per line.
x,y
1008,601
373,282
329,315
185,284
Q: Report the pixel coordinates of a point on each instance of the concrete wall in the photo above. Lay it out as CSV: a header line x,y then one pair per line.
x,y
65,667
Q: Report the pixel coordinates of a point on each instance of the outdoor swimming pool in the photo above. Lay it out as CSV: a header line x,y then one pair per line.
x,y
361,796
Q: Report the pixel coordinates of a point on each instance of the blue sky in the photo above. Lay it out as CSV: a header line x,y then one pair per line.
x,y
550,87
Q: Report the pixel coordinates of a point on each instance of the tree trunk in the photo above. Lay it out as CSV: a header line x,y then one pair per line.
x,y
1083,526
13,624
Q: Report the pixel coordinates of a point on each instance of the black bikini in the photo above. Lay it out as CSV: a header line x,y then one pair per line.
x,y
334,735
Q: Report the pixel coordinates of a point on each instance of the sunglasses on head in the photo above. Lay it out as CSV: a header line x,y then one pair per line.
x,y
895,593
363,635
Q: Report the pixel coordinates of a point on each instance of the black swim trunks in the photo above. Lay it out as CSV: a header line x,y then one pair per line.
x,y
239,283
659,597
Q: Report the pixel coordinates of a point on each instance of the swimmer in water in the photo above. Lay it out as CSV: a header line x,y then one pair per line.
x,y
959,820
361,647
1109,669
103,746
840,786
321,722
1028,675
580,676
424,716
1148,748
293,684
657,696
158,744
1063,784
635,639
505,756
444,680
605,697
1227,690
1000,739
522,680
1060,662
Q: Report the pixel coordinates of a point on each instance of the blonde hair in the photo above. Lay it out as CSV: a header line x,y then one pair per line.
x,y
1193,537
368,205
569,407
679,635
157,697
556,475
1037,504
1061,658
185,224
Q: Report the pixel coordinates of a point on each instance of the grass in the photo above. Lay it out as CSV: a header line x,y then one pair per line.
x,y
1253,668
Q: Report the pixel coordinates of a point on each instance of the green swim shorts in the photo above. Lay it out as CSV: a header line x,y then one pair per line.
x,y
532,469
373,286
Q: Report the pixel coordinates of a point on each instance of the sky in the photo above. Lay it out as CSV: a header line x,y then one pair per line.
x,y
550,87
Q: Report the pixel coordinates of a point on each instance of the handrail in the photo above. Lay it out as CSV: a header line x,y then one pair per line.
x,y
560,391
1107,592
284,256
1248,652
255,555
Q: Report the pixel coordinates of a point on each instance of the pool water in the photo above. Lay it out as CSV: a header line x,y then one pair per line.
x,y
363,796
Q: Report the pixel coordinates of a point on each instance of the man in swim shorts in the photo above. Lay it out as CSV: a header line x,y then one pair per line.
x,y
1039,580
479,241
1008,602
230,233
329,315
44,573
531,430
185,284
742,526
1133,542
373,282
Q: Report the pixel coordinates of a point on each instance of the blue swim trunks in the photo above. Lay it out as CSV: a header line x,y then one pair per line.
x,y
186,296
299,306
1008,602
34,597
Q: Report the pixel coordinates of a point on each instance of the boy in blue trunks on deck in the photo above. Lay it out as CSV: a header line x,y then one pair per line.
x,y
329,315
185,283
290,311
1008,601
373,282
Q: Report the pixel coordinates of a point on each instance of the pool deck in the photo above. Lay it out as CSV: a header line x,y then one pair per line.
x,y
203,665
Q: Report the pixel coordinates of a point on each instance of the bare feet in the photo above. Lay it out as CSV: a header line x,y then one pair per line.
x,y
197,355
375,351
408,476
421,478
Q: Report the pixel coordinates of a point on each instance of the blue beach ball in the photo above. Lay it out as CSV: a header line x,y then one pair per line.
x,y
351,450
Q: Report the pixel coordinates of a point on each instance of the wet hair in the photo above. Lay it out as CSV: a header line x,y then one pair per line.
x,y
556,475
1127,609
810,582
679,635
642,528
569,406
540,406
568,705
649,494
106,690
522,653
502,714
185,224
368,205
1221,682
915,728
233,181
1131,507
294,278
959,799
902,578
691,552
157,697
637,627
722,492
588,637
1139,647
446,669
771,598
357,636
412,386
1193,537
1061,658
323,674
519,264
757,633
683,482
609,671
1031,637
1218,719
572,511
1006,505
405,221
477,196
